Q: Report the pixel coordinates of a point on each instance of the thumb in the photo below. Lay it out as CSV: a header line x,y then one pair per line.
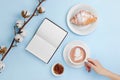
x,y
91,65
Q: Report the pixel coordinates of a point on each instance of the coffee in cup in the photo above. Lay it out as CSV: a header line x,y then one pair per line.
x,y
77,55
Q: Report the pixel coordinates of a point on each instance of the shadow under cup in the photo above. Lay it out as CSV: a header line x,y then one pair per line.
x,y
77,55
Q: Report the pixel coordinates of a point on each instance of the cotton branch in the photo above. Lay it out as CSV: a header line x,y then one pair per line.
x,y
25,23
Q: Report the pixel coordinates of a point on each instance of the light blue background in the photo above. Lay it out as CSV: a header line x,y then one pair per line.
x,y
104,42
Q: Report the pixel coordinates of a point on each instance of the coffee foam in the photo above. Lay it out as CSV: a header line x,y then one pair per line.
x,y
77,54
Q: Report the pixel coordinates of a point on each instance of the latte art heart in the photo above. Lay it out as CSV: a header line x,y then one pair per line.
x,y
77,54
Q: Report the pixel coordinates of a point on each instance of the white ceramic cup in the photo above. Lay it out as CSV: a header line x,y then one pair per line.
x,y
70,57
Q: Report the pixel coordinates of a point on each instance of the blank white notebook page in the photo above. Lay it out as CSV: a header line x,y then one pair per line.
x,y
51,33
46,40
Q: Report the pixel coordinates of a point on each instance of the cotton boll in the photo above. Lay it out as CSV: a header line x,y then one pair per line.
x,y
19,23
41,9
18,38
25,14
23,32
3,49
3,46
2,65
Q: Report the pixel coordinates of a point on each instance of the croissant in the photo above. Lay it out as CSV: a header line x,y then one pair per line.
x,y
83,18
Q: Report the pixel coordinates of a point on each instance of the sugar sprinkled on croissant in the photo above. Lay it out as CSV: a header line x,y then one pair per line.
x,y
83,18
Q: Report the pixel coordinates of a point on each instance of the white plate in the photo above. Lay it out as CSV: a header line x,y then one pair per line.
x,y
67,49
77,29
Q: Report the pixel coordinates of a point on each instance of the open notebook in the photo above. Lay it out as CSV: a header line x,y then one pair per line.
x,y
46,40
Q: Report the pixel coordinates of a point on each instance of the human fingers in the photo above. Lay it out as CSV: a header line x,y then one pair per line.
x,y
88,68
92,61
91,65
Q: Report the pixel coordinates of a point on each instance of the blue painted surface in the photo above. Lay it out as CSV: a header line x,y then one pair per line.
x,y
104,43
